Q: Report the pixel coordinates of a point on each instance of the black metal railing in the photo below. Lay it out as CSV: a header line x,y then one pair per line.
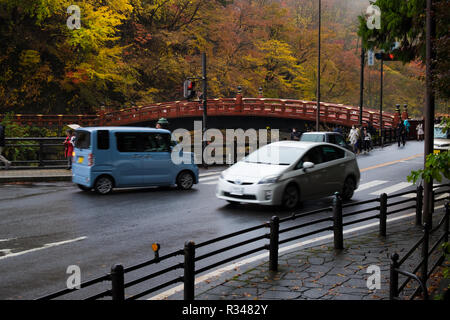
x,y
276,236
36,152
421,272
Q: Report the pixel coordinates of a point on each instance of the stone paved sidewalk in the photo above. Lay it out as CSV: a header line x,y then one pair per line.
x,y
322,273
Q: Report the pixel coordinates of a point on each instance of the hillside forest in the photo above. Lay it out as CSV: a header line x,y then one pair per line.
x,y
135,52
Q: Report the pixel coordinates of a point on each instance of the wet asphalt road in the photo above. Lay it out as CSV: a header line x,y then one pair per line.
x,y
120,228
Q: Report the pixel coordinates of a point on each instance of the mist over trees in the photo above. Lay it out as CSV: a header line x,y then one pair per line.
x,y
133,52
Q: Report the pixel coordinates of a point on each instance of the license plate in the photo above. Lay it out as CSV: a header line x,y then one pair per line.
x,y
437,151
238,191
80,159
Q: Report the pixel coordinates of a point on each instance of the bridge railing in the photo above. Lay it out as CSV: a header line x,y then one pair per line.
x,y
336,114
304,110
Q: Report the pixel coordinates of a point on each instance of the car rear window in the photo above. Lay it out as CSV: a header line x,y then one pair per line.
x,y
82,139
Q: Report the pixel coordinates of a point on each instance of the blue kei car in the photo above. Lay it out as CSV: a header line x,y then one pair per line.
x,y
120,157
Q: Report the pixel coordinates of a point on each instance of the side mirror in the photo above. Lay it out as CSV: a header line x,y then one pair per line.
x,y
308,165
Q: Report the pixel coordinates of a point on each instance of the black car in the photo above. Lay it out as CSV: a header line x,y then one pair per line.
x,y
330,137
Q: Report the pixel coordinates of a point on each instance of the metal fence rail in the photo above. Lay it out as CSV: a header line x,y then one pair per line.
x,y
36,151
426,253
335,224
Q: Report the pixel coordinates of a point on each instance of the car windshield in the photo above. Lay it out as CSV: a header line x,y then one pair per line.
x,y
313,137
439,133
276,155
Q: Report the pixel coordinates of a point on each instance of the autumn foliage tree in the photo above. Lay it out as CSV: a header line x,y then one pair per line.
x,y
133,52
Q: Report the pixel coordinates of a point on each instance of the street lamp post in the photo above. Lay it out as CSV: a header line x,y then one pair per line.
x,y
429,111
318,70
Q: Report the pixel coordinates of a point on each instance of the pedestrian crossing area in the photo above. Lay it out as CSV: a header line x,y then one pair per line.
x,y
375,187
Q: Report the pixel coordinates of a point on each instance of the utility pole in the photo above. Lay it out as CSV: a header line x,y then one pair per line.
x,y
318,70
205,88
381,103
361,85
205,103
429,110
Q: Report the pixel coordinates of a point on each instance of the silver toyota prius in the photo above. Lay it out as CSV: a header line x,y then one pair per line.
x,y
288,172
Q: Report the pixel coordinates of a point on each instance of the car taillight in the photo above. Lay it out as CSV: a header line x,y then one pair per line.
x,y
90,160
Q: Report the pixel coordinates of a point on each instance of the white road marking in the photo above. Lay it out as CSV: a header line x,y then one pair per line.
x,y
46,246
210,173
392,189
370,184
5,240
211,183
218,272
209,179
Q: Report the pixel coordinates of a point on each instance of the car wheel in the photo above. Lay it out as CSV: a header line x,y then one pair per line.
x,y
84,188
185,180
104,185
348,189
291,197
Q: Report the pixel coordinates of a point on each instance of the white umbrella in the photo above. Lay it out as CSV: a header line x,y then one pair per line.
x,y
73,126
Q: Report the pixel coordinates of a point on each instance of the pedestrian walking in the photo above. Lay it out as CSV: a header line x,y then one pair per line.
x,y
420,132
367,138
360,143
372,132
68,147
295,135
162,124
401,132
407,125
2,147
354,137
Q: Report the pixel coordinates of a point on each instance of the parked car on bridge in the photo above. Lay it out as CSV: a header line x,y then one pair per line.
x,y
288,172
441,142
117,157
330,137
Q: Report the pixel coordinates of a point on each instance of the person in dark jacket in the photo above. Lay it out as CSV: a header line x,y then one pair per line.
x,y
401,133
2,147
295,135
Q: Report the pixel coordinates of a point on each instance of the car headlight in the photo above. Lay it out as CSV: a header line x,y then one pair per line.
x,y
270,179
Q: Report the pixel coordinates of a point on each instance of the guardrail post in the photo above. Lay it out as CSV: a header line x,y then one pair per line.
x,y
383,214
393,282
447,219
424,255
41,154
419,205
337,222
118,283
273,246
189,270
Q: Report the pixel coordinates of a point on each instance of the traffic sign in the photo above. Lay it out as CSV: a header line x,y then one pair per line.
x,y
370,57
